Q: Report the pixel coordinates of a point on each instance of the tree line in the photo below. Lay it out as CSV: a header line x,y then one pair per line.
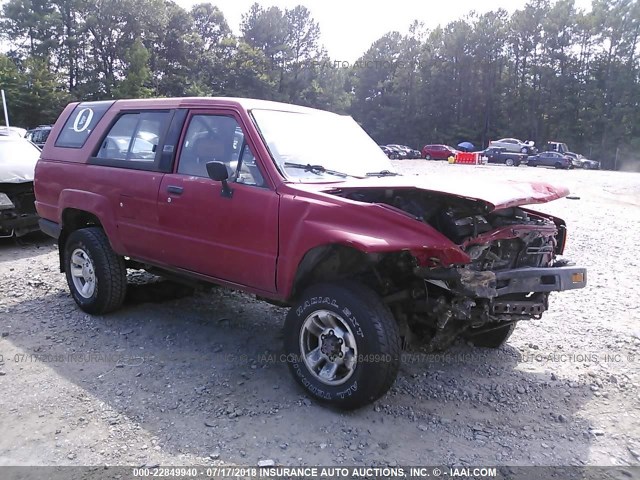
x,y
548,71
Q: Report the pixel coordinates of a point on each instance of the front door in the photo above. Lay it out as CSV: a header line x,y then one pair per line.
x,y
233,238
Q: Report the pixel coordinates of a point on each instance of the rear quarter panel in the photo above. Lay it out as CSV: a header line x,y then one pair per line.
x,y
61,185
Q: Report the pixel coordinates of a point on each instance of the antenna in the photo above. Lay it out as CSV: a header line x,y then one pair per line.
x,y
6,115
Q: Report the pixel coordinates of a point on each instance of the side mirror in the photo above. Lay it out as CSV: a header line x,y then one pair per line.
x,y
218,171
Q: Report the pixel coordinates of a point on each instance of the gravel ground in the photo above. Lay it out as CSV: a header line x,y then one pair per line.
x,y
176,379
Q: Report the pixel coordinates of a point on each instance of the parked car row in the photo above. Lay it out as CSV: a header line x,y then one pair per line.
x,y
399,152
506,151
566,160
515,152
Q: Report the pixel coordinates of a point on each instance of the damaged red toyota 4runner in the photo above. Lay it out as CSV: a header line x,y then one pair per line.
x,y
301,208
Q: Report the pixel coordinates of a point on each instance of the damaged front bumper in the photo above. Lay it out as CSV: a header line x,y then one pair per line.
x,y
17,220
548,279
489,284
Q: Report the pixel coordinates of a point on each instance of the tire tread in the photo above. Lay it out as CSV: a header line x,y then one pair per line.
x,y
386,332
388,335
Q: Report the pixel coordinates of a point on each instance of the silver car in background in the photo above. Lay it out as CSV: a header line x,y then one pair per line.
x,y
514,145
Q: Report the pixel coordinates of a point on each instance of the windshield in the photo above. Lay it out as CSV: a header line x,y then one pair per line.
x,y
333,145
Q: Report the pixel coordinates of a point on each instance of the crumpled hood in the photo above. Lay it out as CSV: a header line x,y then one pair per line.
x,y
494,194
17,170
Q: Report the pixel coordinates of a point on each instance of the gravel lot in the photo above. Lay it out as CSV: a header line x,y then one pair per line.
x,y
176,379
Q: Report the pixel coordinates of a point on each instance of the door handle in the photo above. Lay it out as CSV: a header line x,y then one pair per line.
x,y
174,189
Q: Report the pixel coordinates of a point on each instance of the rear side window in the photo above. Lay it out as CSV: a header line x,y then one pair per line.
x,y
81,123
134,136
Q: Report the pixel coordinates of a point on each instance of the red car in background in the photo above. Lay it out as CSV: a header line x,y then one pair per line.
x,y
437,152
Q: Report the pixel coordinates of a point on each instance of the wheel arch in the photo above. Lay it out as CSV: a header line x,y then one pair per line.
x,y
79,209
73,219
328,262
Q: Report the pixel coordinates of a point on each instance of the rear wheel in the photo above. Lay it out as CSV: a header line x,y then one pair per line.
x,y
342,344
427,157
493,337
96,275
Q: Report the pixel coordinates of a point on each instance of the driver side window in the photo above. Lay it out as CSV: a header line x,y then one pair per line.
x,y
218,138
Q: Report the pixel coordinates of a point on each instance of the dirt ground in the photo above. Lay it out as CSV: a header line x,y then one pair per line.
x,y
175,379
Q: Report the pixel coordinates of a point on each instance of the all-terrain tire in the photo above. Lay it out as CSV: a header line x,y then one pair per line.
x,y
108,269
373,330
491,338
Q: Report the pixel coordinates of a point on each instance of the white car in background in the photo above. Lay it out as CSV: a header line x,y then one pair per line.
x,y
514,145
18,158
15,131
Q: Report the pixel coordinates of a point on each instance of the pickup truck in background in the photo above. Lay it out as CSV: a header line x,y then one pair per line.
x,y
502,155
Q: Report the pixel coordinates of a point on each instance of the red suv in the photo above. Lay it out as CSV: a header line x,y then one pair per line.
x,y
437,152
254,195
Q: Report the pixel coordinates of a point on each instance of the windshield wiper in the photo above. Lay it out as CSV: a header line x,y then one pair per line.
x,y
382,173
315,169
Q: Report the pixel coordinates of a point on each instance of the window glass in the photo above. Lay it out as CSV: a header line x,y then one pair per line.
x,y
248,171
40,136
313,137
81,123
134,136
145,141
116,144
218,138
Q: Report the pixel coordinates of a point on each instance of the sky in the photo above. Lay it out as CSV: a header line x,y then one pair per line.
x,y
349,27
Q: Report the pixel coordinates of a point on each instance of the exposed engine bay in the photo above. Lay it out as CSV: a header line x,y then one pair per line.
x,y
17,209
512,267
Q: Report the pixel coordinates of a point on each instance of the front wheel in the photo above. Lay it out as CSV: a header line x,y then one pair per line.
x,y
96,275
342,344
493,337
509,162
